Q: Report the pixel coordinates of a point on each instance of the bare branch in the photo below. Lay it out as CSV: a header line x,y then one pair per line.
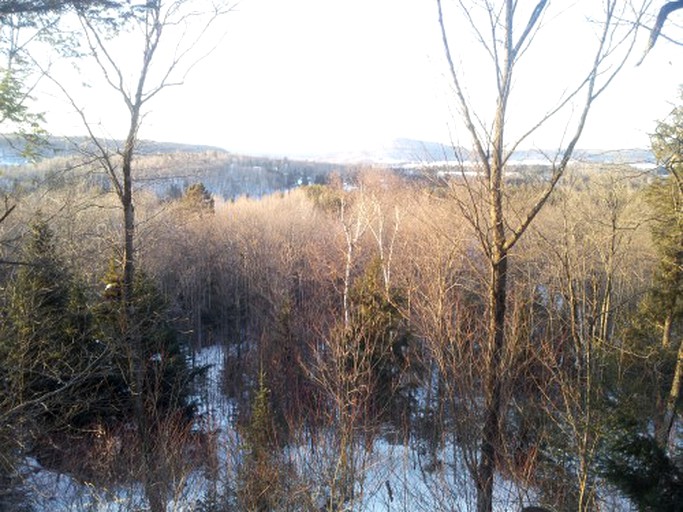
x,y
533,21
664,12
464,105
592,92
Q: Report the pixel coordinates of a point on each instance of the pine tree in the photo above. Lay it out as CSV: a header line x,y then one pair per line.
x,y
638,462
262,476
49,344
197,199
382,340
667,295
167,376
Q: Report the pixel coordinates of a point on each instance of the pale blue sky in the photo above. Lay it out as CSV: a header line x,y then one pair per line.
x,y
297,76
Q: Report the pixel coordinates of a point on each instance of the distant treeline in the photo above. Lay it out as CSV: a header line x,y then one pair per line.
x,y
168,169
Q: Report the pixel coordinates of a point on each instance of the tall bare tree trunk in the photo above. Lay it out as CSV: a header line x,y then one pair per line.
x,y
497,289
152,20
504,30
493,386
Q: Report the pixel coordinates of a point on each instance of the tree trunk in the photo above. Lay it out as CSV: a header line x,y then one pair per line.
x,y
666,332
497,287
153,485
496,233
493,385
664,432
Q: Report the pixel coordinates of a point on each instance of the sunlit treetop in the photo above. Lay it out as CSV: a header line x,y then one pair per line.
x,y
667,141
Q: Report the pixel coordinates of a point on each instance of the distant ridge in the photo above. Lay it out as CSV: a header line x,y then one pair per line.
x,y
12,147
413,152
395,152
398,152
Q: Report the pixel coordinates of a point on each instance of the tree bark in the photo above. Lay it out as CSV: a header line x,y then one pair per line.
x,y
497,287
666,330
664,433
493,385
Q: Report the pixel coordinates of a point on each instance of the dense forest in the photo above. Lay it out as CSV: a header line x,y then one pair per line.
x,y
200,331
347,320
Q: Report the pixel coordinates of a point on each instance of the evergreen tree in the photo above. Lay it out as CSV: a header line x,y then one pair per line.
x,y
653,382
49,348
259,434
666,200
15,113
643,471
198,199
52,6
641,464
51,366
263,478
382,341
667,296
167,377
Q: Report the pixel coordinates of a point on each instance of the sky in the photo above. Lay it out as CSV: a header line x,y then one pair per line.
x,y
300,77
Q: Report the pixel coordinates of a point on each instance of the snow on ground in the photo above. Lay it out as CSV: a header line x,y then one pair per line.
x,y
390,477
49,490
52,491
212,402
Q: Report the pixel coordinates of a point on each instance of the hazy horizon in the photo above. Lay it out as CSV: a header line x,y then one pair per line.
x,y
306,76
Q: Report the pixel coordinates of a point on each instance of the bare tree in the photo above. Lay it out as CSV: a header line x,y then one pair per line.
x,y
168,35
506,33
589,241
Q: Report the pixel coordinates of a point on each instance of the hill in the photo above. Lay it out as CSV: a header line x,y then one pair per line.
x,y
404,152
12,148
394,153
